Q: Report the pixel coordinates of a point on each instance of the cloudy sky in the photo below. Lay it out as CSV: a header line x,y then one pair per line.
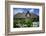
x,y
24,10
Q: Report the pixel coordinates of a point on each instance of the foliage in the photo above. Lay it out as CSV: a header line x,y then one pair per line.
x,y
24,21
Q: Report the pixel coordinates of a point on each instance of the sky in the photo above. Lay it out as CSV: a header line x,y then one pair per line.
x,y
24,10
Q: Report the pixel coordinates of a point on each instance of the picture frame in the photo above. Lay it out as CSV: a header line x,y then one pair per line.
x,y
23,5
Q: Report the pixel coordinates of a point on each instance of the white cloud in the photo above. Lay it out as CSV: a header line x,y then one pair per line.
x,y
31,11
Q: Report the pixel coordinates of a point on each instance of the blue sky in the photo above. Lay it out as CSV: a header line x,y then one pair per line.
x,y
21,10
